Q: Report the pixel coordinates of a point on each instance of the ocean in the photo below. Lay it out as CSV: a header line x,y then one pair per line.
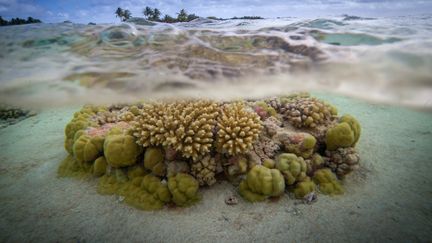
x,y
385,60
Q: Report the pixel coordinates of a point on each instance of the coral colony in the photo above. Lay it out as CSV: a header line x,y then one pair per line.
x,y
160,153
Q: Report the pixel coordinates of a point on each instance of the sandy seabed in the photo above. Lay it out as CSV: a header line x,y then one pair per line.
x,y
388,199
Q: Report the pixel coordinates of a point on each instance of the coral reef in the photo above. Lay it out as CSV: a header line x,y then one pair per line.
x,y
158,153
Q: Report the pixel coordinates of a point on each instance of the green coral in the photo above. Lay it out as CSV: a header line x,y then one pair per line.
x,y
154,161
261,183
304,188
87,149
268,109
345,134
327,182
314,163
143,192
146,193
99,166
184,189
69,167
303,149
136,171
292,167
121,150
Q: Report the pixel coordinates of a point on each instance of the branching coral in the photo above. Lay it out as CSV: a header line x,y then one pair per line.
x,y
238,129
190,127
185,126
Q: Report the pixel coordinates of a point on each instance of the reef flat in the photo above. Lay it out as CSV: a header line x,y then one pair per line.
x,y
385,199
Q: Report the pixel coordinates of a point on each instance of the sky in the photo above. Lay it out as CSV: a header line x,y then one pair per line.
x,y
102,11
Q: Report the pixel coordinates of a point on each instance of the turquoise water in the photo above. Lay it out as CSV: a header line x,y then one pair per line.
x,y
383,59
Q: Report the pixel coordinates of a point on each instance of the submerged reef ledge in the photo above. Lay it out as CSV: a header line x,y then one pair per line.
x,y
157,154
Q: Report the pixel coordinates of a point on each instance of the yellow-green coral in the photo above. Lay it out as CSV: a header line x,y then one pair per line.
x,y
99,166
261,183
238,129
87,148
146,193
143,192
327,182
315,162
304,188
184,189
121,150
305,148
204,170
69,167
154,161
136,171
345,134
292,167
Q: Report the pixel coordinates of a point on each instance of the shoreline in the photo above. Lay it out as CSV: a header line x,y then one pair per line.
x,y
387,199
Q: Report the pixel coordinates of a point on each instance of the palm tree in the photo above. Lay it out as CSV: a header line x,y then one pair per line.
x,y
126,15
2,21
156,14
119,13
168,19
182,16
148,12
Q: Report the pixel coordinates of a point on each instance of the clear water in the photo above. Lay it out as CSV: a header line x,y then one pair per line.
x,y
384,60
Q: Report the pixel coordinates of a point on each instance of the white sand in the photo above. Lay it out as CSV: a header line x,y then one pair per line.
x,y
388,199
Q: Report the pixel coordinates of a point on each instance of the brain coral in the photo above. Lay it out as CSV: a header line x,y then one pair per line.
x,y
238,129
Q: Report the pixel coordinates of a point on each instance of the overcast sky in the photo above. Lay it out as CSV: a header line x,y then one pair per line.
x,y
102,11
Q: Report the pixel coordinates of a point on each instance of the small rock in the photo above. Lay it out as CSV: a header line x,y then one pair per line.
x,y
231,200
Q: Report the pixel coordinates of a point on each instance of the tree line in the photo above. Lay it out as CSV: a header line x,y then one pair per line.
x,y
154,14
16,21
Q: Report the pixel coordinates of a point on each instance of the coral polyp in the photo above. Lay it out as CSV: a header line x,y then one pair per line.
x,y
160,153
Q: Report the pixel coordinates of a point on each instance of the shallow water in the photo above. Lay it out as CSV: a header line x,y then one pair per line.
x,y
384,60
